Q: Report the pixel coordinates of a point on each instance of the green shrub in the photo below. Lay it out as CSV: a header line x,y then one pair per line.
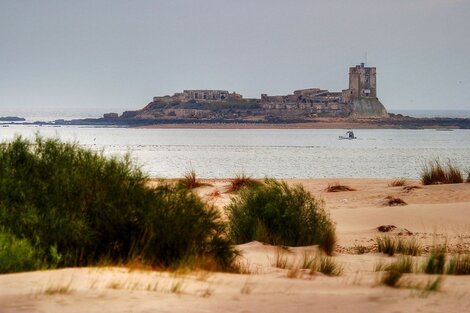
x,y
16,255
434,172
180,228
281,215
89,208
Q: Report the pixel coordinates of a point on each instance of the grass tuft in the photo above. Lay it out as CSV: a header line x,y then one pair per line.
x,y
281,259
243,181
434,172
404,264
337,187
390,245
435,263
391,278
386,244
190,180
459,265
326,265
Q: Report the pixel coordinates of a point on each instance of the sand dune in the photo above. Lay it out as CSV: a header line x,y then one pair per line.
x,y
438,212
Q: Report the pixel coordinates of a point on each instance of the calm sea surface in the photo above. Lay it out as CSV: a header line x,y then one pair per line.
x,y
276,153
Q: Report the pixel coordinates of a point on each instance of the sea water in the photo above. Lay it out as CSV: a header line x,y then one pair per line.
x,y
278,153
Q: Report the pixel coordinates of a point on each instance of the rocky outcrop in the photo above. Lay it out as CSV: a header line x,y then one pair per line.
x,y
368,107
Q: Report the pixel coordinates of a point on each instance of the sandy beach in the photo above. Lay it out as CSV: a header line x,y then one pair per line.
x,y
432,213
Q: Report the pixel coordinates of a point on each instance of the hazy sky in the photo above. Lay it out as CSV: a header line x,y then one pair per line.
x,y
116,55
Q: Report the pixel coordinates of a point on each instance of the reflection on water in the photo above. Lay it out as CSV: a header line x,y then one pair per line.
x,y
276,153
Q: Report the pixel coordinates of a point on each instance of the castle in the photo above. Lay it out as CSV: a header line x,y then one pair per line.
x,y
359,100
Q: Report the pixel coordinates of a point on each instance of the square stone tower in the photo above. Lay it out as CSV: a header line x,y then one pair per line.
x,y
362,82
362,93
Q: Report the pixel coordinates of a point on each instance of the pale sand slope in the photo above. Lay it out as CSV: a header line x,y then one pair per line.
x,y
433,209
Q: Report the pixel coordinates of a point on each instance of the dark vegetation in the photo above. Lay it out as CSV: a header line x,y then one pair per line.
x,y
278,214
62,205
189,180
336,187
243,181
434,172
394,201
214,106
391,245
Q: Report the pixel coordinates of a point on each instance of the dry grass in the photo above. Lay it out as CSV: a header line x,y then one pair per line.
x,y
459,265
190,180
326,265
337,187
243,181
397,182
394,201
63,290
281,259
434,172
391,245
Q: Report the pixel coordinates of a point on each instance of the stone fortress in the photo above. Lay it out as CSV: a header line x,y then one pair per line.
x,y
358,101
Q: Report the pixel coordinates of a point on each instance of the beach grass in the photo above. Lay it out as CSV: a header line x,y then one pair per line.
x,y
459,265
391,245
281,215
436,261
243,181
190,179
434,172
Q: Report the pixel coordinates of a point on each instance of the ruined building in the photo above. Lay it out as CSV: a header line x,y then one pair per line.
x,y
199,95
359,100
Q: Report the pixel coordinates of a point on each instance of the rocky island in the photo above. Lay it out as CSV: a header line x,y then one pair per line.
x,y
305,105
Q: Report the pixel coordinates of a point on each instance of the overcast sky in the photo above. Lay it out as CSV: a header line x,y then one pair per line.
x,y
116,55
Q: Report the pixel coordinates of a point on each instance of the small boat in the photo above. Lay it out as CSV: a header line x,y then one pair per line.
x,y
349,135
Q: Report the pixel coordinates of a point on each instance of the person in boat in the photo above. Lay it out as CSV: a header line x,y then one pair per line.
x,y
351,134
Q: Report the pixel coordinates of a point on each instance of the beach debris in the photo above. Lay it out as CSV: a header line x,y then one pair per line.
x,y
393,201
386,228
